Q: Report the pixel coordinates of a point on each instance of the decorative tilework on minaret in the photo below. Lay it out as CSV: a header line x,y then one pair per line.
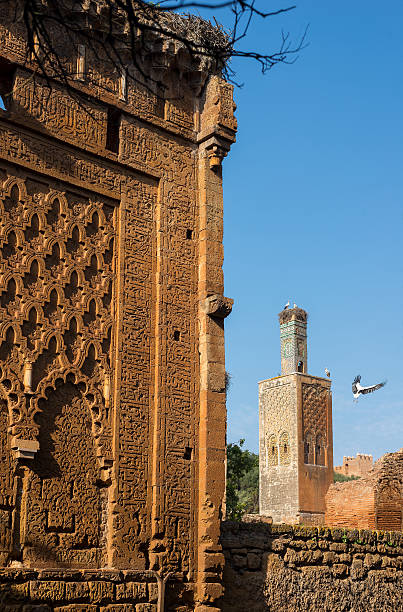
x,y
293,339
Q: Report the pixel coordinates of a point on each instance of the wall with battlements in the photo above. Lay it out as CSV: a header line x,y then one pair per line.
x,y
293,568
355,466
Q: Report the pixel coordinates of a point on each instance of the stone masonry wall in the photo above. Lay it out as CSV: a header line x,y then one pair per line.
x,y
112,364
87,591
355,466
292,568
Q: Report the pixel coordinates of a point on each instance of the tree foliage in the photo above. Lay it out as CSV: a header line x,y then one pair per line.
x,y
242,481
342,478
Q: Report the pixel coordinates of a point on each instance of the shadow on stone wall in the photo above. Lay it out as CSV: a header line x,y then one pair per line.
x,y
23,590
285,569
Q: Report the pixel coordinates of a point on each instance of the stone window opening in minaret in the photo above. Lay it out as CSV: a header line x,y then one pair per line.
x,y
272,451
300,366
319,451
309,449
284,449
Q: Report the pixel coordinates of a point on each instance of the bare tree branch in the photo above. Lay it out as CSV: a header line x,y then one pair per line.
x,y
124,32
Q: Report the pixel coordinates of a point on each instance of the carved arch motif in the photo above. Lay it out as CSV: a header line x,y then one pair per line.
x,y
55,324
320,458
272,450
284,449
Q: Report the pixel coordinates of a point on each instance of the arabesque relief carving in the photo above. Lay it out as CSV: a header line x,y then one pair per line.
x,y
314,419
56,329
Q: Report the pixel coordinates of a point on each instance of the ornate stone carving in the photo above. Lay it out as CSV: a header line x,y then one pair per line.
x,y
272,450
56,327
314,403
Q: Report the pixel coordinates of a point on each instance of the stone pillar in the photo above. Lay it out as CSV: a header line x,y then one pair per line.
x,y
213,309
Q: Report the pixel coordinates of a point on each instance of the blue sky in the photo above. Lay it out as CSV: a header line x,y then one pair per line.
x,y
313,213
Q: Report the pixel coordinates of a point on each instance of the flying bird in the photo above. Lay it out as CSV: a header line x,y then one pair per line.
x,y
327,372
287,305
359,390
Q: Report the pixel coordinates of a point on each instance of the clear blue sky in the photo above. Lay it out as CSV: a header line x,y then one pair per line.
x,y
313,213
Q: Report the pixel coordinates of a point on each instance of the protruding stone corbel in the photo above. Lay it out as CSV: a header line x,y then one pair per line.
x,y
214,147
24,449
217,306
216,154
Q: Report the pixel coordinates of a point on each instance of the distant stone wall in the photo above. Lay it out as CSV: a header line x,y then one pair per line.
x,y
355,466
285,568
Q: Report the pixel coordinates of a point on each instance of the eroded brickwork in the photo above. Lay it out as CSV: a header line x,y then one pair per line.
x,y
112,375
375,501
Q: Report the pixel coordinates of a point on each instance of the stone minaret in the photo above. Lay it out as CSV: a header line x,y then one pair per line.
x,y
295,432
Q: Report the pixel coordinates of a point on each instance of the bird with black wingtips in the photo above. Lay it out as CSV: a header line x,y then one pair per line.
x,y
358,389
287,305
327,372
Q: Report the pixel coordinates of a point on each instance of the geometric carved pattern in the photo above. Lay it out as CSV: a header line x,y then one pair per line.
x,y
56,287
314,420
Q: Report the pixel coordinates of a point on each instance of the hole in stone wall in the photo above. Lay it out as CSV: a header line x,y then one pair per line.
x,y
188,453
113,129
7,74
189,234
177,335
81,62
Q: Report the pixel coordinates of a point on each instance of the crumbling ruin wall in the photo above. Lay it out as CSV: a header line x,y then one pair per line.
x,y
372,502
355,466
292,568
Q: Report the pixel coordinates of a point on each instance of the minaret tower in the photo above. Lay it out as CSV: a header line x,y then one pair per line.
x,y
295,432
293,340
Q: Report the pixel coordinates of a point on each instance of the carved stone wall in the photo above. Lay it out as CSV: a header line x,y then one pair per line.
x,y
112,375
56,322
278,429
314,422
